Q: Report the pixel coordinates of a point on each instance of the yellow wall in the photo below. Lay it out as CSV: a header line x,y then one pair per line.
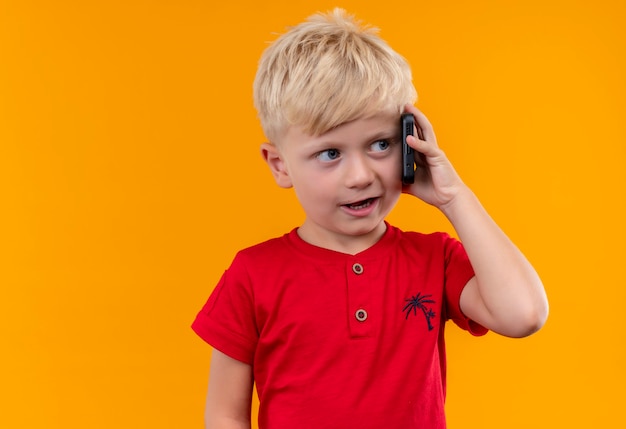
x,y
129,176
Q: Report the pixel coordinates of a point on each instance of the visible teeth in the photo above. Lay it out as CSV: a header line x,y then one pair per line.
x,y
362,205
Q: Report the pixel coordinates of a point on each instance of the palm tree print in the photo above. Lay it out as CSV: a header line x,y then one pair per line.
x,y
419,301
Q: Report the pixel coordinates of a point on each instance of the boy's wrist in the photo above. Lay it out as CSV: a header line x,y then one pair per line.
x,y
459,204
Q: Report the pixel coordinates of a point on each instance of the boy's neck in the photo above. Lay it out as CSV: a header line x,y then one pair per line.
x,y
350,244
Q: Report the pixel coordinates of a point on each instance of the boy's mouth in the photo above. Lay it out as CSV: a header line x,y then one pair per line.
x,y
359,205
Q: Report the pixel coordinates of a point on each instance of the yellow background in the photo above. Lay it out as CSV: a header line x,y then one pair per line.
x,y
130,175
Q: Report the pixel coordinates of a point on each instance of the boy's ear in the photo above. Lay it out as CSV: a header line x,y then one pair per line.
x,y
274,160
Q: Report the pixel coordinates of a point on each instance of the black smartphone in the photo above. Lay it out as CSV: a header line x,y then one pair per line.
x,y
407,124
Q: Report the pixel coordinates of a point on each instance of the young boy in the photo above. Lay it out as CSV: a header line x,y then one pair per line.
x,y
340,322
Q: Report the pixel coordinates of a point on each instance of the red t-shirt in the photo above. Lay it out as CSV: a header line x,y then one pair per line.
x,y
342,341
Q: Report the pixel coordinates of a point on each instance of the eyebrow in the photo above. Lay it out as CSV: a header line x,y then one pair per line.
x,y
381,134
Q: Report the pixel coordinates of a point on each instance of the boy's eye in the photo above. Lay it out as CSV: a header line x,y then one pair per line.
x,y
328,155
380,145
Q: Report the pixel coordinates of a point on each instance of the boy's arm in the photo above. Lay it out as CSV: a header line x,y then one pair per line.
x,y
229,398
506,294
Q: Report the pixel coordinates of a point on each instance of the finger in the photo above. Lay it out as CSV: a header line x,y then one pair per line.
x,y
426,147
420,161
422,122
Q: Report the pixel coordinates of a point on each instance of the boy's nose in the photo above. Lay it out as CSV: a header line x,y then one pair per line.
x,y
359,173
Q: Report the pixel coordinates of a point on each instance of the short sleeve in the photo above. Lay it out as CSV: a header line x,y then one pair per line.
x,y
226,320
458,271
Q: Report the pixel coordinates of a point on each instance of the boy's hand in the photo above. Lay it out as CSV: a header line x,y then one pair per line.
x,y
436,181
506,294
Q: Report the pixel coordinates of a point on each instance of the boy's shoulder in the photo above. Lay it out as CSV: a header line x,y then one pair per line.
x,y
272,252
290,246
266,248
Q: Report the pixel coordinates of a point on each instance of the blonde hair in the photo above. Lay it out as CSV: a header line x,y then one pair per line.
x,y
326,71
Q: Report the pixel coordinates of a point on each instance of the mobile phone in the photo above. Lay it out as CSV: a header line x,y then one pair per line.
x,y
407,125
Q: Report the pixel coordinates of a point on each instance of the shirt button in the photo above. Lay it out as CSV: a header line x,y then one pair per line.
x,y
357,268
361,315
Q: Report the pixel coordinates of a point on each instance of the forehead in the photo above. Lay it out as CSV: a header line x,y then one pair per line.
x,y
382,124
